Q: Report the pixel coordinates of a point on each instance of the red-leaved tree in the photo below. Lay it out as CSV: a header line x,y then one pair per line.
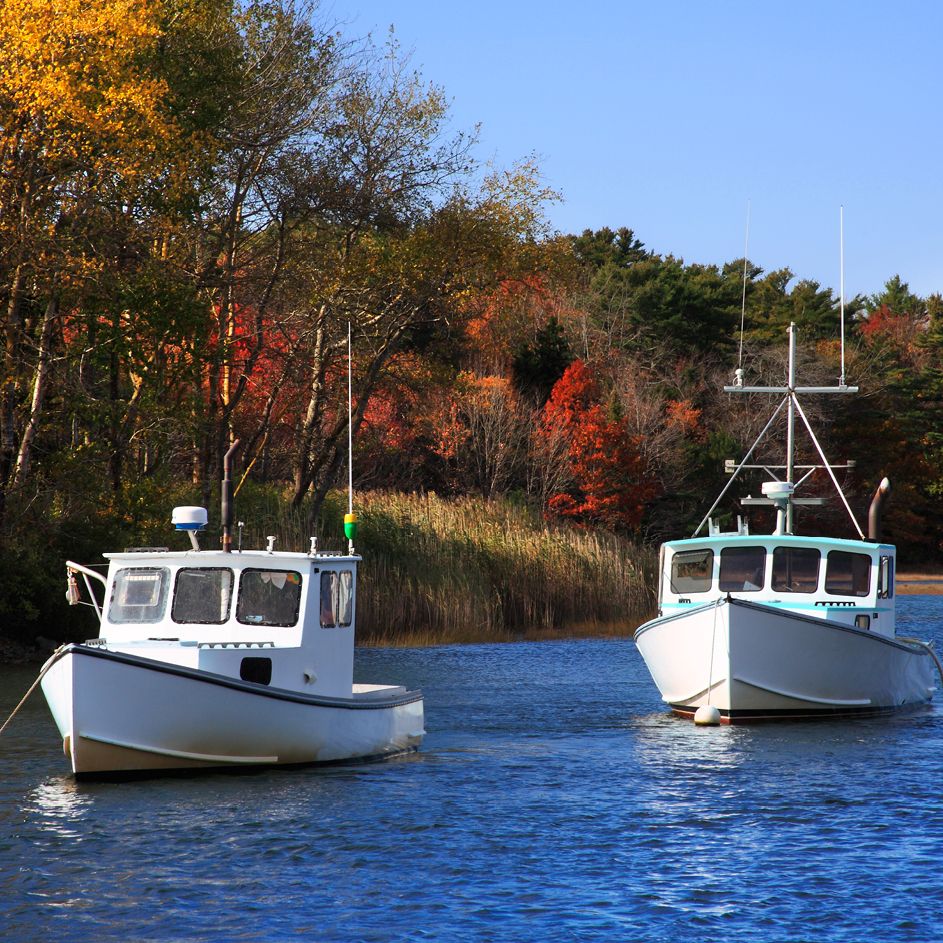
x,y
606,482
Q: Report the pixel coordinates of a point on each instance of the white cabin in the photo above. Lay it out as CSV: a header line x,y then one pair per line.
x,y
849,582
275,618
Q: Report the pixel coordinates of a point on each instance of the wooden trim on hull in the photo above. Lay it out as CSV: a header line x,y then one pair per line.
x,y
736,717
123,762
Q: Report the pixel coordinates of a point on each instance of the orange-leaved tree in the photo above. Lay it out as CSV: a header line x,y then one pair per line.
x,y
605,482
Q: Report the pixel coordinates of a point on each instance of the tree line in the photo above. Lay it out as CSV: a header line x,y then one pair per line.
x,y
199,198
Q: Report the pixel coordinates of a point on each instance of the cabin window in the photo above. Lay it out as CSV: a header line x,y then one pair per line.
x,y
337,598
886,578
269,597
742,569
796,569
848,574
692,571
139,594
202,594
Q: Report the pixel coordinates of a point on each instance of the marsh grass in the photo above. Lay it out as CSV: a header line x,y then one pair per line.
x,y
441,571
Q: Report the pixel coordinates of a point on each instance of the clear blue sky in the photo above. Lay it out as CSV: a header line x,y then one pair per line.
x,y
670,117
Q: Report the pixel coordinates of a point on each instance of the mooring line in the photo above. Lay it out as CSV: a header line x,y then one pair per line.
x,y
32,687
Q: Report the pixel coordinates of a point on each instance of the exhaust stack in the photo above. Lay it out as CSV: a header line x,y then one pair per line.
x,y
226,502
874,512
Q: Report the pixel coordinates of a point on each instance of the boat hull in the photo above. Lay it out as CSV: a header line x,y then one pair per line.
x,y
120,713
755,662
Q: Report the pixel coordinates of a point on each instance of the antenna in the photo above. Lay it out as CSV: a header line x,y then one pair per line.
x,y
743,304
350,430
841,240
350,519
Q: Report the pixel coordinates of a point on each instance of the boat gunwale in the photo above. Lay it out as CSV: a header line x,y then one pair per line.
x,y
373,702
910,647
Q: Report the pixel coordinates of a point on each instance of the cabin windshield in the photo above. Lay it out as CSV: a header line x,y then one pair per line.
x,y
139,594
793,569
202,595
742,569
269,597
796,569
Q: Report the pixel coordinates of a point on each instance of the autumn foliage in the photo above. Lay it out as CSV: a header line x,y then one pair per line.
x,y
199,200
606,480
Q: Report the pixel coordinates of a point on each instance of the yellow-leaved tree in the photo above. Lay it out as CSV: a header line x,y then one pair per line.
x,y
88,123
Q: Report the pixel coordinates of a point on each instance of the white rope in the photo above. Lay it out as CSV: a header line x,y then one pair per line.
x,y
710,673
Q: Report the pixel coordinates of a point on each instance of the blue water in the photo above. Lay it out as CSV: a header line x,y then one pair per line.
x,y
554,799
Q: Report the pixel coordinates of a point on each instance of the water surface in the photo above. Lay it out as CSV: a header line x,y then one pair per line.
x,y
554,799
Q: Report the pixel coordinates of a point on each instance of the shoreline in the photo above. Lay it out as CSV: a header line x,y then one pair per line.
x,y
13,652
919,584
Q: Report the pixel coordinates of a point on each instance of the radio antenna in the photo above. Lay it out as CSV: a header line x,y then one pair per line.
x,y
841,240
350,429
743,301
350,519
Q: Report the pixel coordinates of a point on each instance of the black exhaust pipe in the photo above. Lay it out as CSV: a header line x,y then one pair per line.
x,y
226,503
874,512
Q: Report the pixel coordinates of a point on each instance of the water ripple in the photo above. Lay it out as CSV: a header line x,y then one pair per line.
x,y
554,800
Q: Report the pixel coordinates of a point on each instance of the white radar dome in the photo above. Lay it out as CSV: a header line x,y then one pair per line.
x,y
189,518
778,490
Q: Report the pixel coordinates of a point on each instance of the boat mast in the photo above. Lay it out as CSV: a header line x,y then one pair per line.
x,y
791,422
790,394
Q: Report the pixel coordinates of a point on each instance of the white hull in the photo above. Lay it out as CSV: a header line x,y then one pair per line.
x,y
122,713
755,662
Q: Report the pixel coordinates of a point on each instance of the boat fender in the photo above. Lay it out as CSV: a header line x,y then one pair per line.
x,y
707,716
72,593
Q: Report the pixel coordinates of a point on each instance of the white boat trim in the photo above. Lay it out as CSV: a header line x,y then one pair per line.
x,y
179,754
681,698
369,701
915,646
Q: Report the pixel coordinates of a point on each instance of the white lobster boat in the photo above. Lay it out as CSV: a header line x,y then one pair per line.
x,y
222,658
782,625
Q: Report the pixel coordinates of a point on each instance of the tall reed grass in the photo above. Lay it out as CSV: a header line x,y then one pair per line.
x,y
460,570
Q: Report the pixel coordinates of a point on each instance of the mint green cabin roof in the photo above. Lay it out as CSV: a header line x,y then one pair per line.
x,y
780,540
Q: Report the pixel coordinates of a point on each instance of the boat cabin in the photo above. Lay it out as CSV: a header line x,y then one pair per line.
x,y
236,613
847,581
